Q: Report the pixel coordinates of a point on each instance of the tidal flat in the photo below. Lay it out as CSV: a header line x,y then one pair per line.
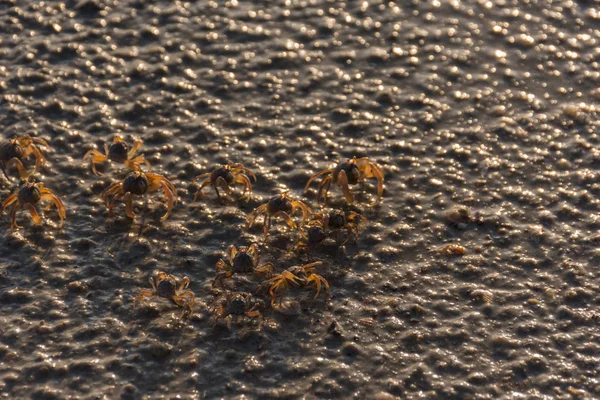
x,y
476,277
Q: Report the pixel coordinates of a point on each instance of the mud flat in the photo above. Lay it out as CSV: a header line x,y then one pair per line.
x,y
483,116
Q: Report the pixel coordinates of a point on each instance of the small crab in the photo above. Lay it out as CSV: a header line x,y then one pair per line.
x,y
322,225
118,151
337,220
138,183
27,196
224,176
14,150
281,205
311,234
237,306
242,261
169,287
297,276
347,173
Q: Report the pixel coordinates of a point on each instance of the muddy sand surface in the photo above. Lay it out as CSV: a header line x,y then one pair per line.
x,y
482,114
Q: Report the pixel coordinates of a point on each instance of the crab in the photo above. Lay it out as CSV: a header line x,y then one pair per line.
x,y
337,220
27,196
139,183
169,287
236,306
347,173
224,176
296,276
14,150
281,205
322,225
118,151
244,261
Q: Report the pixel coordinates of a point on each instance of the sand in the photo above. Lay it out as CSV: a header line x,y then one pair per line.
x,y
481,114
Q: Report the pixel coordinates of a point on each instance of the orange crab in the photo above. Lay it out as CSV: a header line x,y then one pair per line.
x,y
347,173
14,150
346,226
237,306
139,183
27,196
281,205
296,276
224,176
169,287
243,261
118,151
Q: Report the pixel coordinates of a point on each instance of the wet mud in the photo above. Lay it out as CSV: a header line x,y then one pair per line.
x,y
476,277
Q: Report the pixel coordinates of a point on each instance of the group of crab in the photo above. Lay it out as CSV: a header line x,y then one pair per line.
x,y
313,228
232,304
29,192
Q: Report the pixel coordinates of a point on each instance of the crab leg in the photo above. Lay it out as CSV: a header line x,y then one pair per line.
x,y
152,283
116,197
136,146
9,200
231,253
171,187
112,189
308,267
323,188
252,250
60,207
201,176
378,174
143,293
312,178
185,300
156,181
220,276
129,205
170,200
48,194
39,158
199,192
221,266
288,220
253,312
278,282
343,182
34,214
252,216
13,215
3,169
266,269
185,282
247,186
22,171
221,182
267,224
240,167
95,158
134,164
317,279
306,211
40,141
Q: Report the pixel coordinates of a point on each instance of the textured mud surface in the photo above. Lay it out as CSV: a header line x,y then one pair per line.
x,y
485,105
